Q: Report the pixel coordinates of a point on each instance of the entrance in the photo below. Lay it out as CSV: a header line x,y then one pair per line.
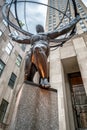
x,y
79,101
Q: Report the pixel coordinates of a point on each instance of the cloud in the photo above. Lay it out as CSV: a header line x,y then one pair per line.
x,y
85,2
35,13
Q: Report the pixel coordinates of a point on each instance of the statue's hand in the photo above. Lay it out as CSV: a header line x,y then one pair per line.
x,y
13,36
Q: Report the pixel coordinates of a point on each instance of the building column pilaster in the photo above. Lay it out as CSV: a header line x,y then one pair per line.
x,y
57,82
81,52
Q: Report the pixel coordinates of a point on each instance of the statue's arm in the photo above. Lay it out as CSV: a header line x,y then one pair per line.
x,y
20,39
64,30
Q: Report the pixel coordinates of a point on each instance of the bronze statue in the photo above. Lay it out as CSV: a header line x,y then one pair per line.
x,y
36,58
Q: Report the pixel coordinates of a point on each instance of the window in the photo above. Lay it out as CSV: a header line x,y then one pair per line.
x,y
12,80
23,47
54,15
84,14
9,48
82,24
85,29
86,18
5,23
49,29
61,25
3,108
15,33
0,32
2,66
19,59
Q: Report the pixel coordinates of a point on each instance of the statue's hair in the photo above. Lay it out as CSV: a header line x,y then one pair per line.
x,y
39,28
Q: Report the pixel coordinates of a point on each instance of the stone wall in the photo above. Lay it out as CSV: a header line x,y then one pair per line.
x,y
36,109
72,57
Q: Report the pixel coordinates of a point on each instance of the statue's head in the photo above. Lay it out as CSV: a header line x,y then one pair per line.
x,y
39,28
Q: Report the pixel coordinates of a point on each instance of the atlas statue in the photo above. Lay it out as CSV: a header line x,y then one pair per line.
x,y
36,59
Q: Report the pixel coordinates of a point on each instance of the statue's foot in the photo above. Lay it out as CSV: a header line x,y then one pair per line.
x,y
44,83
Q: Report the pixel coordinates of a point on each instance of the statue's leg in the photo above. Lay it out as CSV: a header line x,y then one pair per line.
x,y
28,64
32,72
39,58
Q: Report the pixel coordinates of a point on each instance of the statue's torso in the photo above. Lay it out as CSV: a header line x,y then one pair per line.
x,y
39,39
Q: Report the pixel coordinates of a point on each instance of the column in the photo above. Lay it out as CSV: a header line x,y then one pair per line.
x,y
57,82
81,52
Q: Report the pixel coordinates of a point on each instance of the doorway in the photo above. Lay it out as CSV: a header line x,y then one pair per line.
x,y
79,100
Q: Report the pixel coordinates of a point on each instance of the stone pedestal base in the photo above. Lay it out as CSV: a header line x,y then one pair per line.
x,y
37,109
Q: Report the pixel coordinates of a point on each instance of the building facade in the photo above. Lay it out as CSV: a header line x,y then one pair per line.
x,y
54,17
69,76
12,57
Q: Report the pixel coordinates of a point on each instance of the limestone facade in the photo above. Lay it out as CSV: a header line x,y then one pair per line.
x,y
70,58
12,57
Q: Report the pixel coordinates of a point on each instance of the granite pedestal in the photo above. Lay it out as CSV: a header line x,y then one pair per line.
x,y
36,110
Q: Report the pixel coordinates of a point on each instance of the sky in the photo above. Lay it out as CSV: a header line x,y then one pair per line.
x,y
85,2
35,14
